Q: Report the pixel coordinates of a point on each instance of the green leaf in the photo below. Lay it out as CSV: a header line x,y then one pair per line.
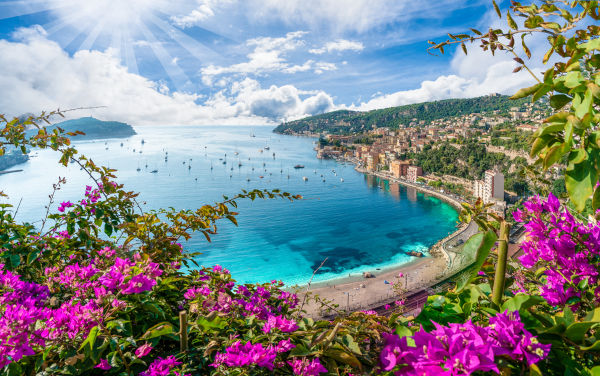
x,y
596,199
535,370
520,302
539,144
511,22
481,244
576,331
553,155
91,338
559,101
573,79
543,90
525,92
159,330
343,357
215,323
583,105
580,178
496,8
403,331
349,342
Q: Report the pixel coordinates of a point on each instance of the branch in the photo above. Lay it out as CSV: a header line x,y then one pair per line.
x,y
308,287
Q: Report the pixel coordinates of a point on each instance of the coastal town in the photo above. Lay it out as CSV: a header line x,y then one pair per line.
x,y
395,151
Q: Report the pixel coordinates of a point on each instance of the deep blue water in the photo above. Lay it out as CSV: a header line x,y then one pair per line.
x,y
360,224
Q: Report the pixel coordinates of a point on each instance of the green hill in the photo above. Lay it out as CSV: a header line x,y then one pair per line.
x,y
345,121
96,129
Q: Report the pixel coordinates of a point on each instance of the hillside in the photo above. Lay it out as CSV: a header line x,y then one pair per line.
x,y
345,121
96,129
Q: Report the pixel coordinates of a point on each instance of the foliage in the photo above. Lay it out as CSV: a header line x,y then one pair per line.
x,y
100,288
344,121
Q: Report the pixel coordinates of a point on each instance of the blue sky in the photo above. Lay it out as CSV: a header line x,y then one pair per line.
x,y
237,61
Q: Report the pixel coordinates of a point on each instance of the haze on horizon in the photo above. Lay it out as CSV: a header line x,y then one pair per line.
x,y
239,62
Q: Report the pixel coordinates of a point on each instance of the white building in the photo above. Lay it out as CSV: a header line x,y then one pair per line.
x,y
491,188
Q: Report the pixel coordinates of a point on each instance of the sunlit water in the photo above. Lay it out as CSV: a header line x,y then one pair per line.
x,y
360,224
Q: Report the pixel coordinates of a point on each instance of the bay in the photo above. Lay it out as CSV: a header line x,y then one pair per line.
x,y
358,224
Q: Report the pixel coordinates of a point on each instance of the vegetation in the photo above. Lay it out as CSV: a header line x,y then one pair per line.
x,y
98,287
345,122
92,128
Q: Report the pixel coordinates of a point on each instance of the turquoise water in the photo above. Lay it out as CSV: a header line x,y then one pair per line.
x,y
359,224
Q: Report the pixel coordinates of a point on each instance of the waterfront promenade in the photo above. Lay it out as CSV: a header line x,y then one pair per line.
x,y
419,278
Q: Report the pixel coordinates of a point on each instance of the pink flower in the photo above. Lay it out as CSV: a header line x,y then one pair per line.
x,y
138,284
143,350
387,306
103,365
64,205
304,367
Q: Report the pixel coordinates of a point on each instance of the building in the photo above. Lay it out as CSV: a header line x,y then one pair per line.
x,y
413,173
399,168
494,185
478,190
491,188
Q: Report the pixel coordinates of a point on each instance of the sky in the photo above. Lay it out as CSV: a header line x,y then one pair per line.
x,y
239,62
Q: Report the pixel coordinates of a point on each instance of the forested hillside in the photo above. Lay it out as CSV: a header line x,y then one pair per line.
x,y
345,121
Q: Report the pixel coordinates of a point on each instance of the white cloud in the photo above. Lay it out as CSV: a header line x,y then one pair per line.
x,y
338,45
204,11
477,74
268,55
343,15
41,76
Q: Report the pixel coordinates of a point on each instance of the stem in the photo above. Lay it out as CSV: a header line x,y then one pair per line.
x,y
308,288
183,331
500,276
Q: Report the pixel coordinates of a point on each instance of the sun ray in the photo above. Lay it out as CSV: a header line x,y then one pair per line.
x,y
116,43
91,38
175,73
130,59
195,48
12,9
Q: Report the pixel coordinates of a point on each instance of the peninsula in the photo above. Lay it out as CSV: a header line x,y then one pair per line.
x,y
95,129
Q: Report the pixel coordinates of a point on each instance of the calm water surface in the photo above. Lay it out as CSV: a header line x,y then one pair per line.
x,y
360,224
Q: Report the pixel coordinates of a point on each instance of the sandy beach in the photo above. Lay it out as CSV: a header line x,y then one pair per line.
x,y
366,293
359,293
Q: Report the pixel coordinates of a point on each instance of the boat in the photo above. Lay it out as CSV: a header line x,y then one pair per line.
x,y
298,166
267,148
261,176
304,178
342,180
143,142
153,171
138,169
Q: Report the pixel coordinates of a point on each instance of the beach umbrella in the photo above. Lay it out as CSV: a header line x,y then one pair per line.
x,y
386,282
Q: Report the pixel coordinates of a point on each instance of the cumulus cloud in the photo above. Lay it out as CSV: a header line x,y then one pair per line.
x,y
39,76
476,74
204,10
338,45
268,55
496,77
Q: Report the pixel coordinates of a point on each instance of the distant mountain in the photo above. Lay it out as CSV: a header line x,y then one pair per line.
x,y
345,121
95,129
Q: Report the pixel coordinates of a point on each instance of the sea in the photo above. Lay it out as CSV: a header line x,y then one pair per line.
x,y
355,222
